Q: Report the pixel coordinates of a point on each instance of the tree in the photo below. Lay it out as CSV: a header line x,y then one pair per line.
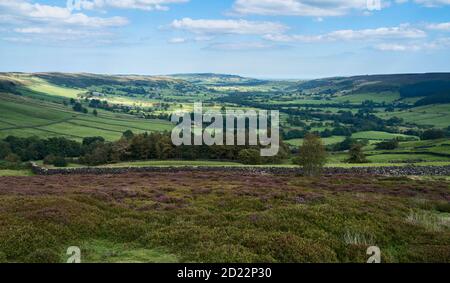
x,y
312,155
5,149
433,134
13,158
250,156
356,154
60,162
128,134
387,145
77,107
95,112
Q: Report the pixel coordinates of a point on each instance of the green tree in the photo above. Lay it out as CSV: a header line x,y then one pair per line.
x,y
312,155
95,112
250,156
128,134
356,154
13,158
5,149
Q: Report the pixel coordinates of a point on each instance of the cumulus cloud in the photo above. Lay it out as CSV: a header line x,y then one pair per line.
x,y
322,8
148,5
228,26
441,43
432,3
439,26
54,23
402,31
26,11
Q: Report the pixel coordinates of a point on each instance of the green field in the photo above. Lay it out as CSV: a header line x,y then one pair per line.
x,y
434,115
23,117
326,141
375,135
358,98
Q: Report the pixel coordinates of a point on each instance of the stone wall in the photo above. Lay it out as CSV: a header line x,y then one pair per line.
x,y
388,171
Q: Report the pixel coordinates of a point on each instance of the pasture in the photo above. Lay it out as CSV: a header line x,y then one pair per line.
x,y
23,117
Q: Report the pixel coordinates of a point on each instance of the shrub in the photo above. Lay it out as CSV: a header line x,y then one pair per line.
x,y
60,162
357,155
387,145
5,149
3,257
125,229
49,159
249,156
23,240
433,134
13,158
313,155
43,256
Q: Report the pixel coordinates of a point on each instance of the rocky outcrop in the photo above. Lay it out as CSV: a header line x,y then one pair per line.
x,y
387,171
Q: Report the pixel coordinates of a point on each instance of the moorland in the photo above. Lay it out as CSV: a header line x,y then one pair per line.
x,y
79,120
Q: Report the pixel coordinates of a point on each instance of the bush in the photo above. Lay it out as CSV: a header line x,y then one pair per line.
x,y
357,155
5,149
60,162
125,229
13,158
250,156
433,134
313,155
22,241
387,145
43,256
49,159
3,257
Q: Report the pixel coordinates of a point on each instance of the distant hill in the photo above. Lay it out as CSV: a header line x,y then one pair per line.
x,y
429,88
218,79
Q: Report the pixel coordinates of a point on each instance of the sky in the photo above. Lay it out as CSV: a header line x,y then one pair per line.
x,y
279,39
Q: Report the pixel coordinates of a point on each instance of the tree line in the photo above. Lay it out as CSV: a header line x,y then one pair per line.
x,y
130,147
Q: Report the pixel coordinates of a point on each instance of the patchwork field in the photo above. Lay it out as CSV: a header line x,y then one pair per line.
x,y
23,117
223,217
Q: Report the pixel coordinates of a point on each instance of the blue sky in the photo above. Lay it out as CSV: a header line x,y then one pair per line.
x,y
258,38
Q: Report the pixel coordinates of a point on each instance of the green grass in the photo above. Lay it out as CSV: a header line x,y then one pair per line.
x,y
387,97
168,163
6,173
41,86
24,117
434,115
375,135
326,141
102,251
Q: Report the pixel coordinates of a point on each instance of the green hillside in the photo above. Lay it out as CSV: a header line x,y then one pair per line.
x,y
23,117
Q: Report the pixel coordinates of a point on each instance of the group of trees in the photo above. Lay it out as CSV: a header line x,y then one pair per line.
x,y
159,146
96,150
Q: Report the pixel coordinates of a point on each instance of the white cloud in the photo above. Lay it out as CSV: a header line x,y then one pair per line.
x,y
228,26
46,23
439,27
24,10
147,5
321,8
402,31
240,46
441,43
177,40
432,3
